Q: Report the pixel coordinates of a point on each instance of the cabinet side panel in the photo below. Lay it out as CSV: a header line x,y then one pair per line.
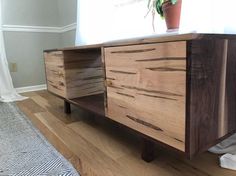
x,y
211,90
231,87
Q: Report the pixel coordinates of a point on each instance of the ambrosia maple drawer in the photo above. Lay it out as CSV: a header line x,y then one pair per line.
x,y
74,73
181,93
146,89
177,90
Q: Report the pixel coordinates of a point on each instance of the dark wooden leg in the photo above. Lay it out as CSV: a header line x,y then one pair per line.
x,y
148,150
67,108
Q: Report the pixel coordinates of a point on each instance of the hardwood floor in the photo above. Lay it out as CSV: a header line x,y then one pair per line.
x,y
97,147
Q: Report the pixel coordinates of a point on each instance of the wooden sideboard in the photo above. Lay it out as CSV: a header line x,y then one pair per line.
x,y
179,90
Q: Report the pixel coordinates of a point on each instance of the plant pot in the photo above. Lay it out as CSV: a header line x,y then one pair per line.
x,y
172,14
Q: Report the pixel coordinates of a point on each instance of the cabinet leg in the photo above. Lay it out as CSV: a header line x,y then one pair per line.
x,y
148,150
67,108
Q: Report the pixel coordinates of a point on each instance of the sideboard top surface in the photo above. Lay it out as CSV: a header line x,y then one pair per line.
x,y
147,39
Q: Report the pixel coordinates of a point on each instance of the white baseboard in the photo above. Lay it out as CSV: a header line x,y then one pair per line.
x,y
31,88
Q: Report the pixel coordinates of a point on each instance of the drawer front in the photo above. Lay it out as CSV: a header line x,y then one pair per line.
x,y
55,58
54,72
56,80
146,89
56,87
76,73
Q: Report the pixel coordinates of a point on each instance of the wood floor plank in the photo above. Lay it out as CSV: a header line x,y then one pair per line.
x,y
209,163
29,94
55,107
32,106
102,140
165,165
65,118
40,100
97,150
88,153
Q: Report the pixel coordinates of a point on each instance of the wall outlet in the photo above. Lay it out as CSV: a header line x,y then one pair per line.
x,y
13,67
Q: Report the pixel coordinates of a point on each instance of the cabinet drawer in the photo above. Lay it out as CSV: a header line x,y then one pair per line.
x,y
73,74
55,72
54,58
57,87
56,79
146,89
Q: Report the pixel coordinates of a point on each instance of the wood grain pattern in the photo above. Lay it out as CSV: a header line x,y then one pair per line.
x,y
230,87
146,88
72,74
54,58
148,40
56,82
107,149
92,103
141,40
222,120
211,82
179,90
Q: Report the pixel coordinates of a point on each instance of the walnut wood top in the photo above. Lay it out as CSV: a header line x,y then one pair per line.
x,y
81,47
138,40
147,39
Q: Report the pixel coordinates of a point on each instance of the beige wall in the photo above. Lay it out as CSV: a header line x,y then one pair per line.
x,y
30,12
26,48
67,14
67,11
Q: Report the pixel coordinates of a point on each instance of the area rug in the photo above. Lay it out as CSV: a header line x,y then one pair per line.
x,y
24,150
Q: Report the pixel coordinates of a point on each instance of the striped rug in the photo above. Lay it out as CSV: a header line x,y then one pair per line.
x,y
24,151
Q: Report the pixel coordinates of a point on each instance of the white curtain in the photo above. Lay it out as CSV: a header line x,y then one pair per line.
x,y
106,20
7,91
208,16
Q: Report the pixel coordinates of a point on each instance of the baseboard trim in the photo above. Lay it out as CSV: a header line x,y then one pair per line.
x,y
31,88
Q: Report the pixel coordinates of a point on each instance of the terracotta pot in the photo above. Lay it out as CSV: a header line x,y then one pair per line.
x,y
172,14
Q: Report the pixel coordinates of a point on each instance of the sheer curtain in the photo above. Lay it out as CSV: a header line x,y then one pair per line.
x,y
7,91
103,20
208,16
106,20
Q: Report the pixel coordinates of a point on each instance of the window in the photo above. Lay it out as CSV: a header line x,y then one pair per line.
x,y
105,20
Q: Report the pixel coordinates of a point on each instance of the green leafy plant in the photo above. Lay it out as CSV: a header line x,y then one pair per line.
x,y
155,6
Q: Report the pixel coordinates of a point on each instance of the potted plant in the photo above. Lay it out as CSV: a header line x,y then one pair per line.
x,y
168,9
